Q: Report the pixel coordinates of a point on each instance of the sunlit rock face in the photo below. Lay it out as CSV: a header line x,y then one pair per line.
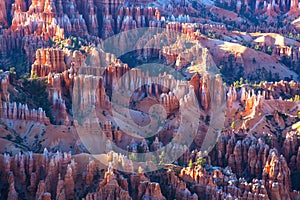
x,y
61,174
235,153
61,87
47,61
3,14
55,19
269,9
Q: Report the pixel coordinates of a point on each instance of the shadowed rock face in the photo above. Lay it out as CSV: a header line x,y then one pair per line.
x,y
67,177
245,164
246,141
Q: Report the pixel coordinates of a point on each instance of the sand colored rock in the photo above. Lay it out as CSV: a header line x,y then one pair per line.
x,y
4,82
3,13
21,112
48,61
75,88
109,188
277,175
12,195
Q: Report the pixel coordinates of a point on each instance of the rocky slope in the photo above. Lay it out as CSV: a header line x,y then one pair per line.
x,y
224,108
